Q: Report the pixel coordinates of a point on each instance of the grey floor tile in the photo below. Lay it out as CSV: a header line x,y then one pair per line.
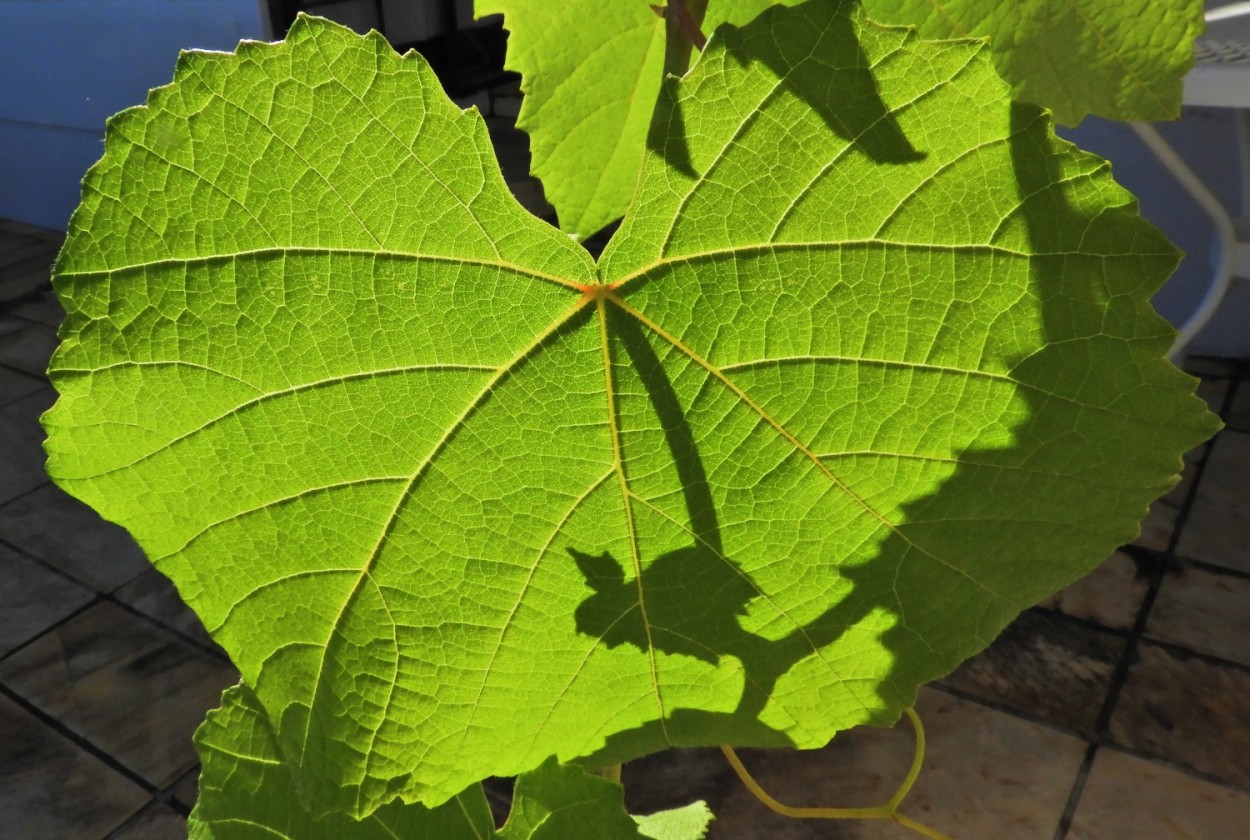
x,y
29,348
1160,521
14,250
33,598
65,533
1213,391
156,822
1210,366
11,323
1204,611
1046,666
21,444
132,689
153,594
187,789
1187,711
14,385
1111,595
987,776
52,789
10,227
23,279
1238,418
1129,798
1220,518
43,308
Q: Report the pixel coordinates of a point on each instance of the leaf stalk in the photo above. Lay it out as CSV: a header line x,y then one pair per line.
x,y
683,31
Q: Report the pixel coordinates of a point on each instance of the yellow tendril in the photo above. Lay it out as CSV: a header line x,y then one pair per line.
x,y
888,811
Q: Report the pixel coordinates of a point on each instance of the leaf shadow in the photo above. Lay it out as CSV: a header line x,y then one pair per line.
x,y
961,561
836,81
654,611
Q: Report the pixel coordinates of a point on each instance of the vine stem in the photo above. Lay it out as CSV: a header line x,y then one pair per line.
x,y
612,773
888,811
683,31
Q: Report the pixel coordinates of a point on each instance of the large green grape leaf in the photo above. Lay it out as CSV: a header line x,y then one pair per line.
x,y
869,368
1120,59
247,790
590,72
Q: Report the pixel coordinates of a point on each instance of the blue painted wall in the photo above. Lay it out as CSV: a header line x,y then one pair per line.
x,y
66,65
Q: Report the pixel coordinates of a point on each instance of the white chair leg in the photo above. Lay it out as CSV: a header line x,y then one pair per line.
x,y
1223,229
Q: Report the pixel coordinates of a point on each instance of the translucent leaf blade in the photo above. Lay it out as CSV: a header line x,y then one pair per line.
x,y
1115,59
858,380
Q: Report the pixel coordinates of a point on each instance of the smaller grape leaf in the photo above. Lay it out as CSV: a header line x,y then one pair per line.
x,y
247,790
559,801
590,72
690,822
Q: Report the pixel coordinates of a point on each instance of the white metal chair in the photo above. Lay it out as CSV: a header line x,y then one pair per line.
x,y
1221,79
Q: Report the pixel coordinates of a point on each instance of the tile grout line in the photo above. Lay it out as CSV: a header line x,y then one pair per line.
x,y
55,625
76,739
1078,788
25,373
1136,635
16,498
105,597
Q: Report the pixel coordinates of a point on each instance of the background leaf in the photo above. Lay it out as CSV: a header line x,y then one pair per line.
x,y
869,368
558,801
247,790
590,72
1120,59
687,823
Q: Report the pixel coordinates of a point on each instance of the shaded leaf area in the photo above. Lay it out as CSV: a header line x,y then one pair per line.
x,y
559,801
246,790
689,822
833,407
1119,59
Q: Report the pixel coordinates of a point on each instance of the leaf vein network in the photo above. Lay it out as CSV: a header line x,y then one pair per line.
x,y
798,445
421,469
286,392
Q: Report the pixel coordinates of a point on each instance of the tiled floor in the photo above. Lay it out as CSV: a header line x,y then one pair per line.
x,y
1118,710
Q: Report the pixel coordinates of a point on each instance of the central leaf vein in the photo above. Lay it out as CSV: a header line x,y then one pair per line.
x,y
618,460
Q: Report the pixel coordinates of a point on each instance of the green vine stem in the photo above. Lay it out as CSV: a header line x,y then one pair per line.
x,y
612,773
683,31
888,811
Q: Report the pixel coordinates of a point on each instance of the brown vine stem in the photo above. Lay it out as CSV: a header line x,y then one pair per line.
x,y
888,811
683,31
